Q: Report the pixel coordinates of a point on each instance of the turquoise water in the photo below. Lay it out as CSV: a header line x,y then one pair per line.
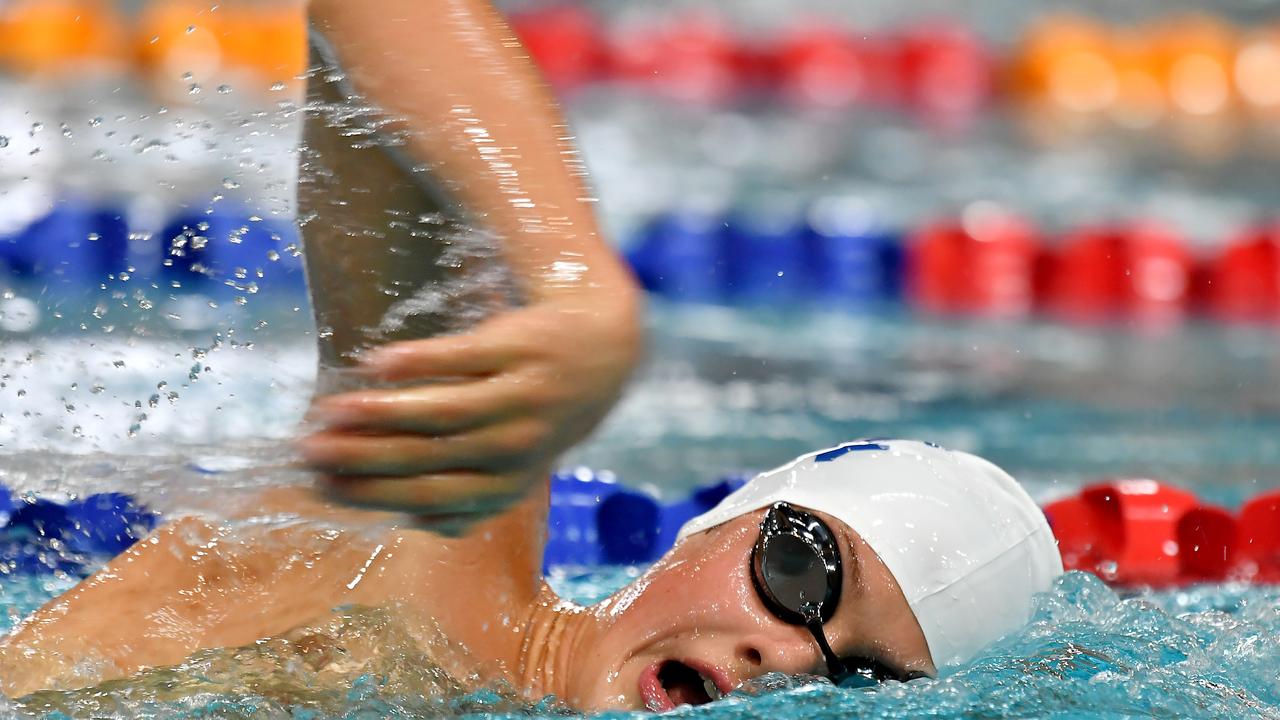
x,y
726,392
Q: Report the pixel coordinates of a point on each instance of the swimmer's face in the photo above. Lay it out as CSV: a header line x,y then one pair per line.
x,y
693,627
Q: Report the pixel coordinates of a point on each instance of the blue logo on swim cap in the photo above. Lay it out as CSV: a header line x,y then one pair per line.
x,y
843,450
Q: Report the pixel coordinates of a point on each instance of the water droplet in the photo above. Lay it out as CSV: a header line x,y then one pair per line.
x,y
224,89
4,142
277,86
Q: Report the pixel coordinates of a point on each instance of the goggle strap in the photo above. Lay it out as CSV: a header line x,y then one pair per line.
x,y
835,668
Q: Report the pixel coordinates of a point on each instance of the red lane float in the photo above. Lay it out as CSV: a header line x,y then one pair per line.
x,y
1124,531
567,42
1242,284
1143,532
1206,538
982,265
1141,271
824,67
948,75
695,58
1258,541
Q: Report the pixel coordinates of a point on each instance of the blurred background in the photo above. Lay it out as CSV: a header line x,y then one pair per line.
x,y
1040,230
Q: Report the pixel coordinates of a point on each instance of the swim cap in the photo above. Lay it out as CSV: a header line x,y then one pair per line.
x,y
967,545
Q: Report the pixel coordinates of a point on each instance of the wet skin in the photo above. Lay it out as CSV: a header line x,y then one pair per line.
x,y
698,606
693,618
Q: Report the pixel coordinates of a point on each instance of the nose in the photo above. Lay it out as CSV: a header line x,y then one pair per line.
x,y
790,650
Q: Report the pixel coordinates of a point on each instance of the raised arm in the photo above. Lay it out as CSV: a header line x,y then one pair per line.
x,y
481,416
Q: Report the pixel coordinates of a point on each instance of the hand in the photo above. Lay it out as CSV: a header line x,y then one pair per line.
x,y
485,413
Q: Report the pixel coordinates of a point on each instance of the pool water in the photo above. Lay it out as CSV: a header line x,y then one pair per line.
x,y
727,391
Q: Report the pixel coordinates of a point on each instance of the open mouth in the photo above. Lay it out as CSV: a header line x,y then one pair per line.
x,y
672,683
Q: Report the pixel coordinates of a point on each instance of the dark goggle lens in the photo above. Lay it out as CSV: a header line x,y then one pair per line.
x,y
797,572
794,574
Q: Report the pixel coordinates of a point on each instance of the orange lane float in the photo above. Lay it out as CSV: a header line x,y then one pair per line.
x,y
60,37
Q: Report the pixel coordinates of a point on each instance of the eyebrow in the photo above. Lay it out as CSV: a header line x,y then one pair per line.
x,y
852,563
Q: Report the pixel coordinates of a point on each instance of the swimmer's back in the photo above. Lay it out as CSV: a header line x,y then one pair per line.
x,y
197,584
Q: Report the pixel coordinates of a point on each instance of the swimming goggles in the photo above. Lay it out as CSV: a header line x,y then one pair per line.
x,y
796,568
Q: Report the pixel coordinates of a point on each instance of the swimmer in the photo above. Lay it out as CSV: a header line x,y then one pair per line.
x,y
872,561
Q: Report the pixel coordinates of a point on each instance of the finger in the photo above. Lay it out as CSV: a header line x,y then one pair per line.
x,y
431,409
435,494
495,447
488,348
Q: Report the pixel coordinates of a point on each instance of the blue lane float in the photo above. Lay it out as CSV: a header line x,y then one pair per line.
x,y
78,249
759,258
226,254
42,535
595,520
683,256
68,253
766,258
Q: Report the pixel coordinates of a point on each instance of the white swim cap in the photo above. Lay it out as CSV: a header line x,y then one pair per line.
x,y
967,545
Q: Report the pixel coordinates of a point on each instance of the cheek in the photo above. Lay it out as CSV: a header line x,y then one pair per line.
x,y
700,587
700,591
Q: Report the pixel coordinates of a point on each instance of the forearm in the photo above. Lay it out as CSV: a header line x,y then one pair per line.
x,y
475,108
474,419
